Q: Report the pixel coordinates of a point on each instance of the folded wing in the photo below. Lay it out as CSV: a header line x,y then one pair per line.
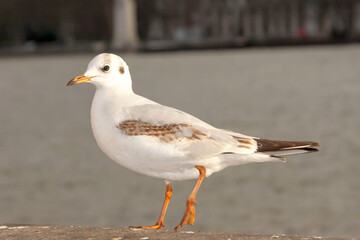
x,y
197,139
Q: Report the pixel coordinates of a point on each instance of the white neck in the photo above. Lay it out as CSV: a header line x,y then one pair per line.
x,y
123,85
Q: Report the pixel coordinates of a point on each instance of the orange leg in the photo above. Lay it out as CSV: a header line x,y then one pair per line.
x,y
160,221
189,216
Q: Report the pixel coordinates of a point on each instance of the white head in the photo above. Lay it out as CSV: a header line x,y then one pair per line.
x,y
106,71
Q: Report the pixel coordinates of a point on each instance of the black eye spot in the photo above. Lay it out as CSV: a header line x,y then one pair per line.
x,y
122,70
106,68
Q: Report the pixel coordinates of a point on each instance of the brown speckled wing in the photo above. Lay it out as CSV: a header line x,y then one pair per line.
x,y
165,132
245,142
194,141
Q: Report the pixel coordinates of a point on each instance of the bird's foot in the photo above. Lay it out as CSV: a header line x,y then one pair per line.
x,y
189,217
155,226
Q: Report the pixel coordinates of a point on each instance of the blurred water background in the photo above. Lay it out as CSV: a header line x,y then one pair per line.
x,y
52,172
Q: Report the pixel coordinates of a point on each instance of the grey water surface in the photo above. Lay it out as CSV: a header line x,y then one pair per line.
x,y
52,172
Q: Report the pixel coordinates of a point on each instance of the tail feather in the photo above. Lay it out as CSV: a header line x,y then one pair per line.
x,y
265,145
276,148
270,151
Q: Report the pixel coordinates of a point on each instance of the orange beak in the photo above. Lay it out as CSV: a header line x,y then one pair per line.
x,y
79,79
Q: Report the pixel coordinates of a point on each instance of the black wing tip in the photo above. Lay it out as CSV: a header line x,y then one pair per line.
x,y
265,145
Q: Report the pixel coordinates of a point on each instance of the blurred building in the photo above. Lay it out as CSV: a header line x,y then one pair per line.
x,y
30,25
239,22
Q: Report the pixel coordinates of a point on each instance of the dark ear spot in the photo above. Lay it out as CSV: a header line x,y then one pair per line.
x,y
122,70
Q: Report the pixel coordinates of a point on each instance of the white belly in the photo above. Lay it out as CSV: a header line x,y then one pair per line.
x,y
142,154
150,158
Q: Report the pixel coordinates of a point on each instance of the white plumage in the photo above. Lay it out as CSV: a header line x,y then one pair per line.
x,y
161,141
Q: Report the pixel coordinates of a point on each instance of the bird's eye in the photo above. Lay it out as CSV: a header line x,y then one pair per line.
x,y
106,68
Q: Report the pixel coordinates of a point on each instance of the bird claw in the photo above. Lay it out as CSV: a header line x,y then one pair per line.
x,y
155,226
189,217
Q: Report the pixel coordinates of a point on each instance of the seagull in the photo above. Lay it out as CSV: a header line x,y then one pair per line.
x,y
163,142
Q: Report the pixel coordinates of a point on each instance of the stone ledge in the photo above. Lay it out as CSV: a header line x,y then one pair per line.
x,y
38,232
